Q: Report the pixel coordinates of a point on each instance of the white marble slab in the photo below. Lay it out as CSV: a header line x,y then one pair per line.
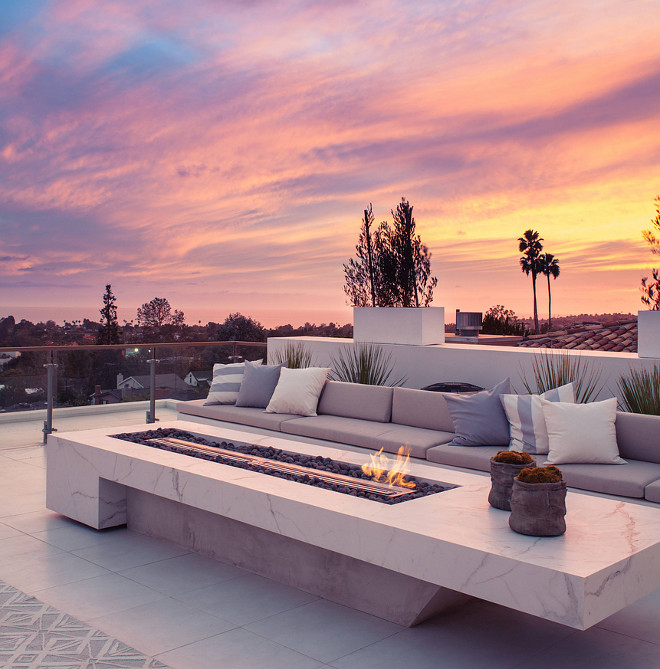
x,y
608,558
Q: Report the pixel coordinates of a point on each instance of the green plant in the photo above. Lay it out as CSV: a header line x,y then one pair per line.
x,y
549,474
513,457
640,391
499,320
294,355
555,369
364,363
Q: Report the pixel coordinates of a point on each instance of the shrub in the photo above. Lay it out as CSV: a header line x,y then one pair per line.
x,y
501,321
555,369
547,474
295,356
513,457
640,391
364,363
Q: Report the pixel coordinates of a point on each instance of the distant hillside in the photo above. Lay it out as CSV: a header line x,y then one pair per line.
x,y
560,322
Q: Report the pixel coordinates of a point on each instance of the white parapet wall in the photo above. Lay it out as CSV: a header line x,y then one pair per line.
x,y
472,363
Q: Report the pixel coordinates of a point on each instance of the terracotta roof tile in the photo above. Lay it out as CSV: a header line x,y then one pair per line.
x,y
613,337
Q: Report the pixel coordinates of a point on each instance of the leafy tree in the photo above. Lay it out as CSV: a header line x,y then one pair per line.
x,y
237,327
393,267
530,246
549,267
157,319
651,289
649,235
109,330
499,320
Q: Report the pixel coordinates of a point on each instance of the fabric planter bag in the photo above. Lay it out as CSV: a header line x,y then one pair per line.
x,y
501,480
538,509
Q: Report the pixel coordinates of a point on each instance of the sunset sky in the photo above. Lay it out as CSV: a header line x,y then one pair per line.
x,y
220,153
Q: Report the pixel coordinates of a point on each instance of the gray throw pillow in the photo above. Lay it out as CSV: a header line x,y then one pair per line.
x,y
479,419
258,385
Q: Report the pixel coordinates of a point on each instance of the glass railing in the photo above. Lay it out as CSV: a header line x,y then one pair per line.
x,y
48,377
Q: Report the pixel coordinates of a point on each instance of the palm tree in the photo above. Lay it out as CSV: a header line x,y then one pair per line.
x,y
530,246
549,267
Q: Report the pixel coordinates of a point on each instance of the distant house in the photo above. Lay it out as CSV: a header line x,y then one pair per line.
x,y
196,378
143,382
167,386
105,396
615,337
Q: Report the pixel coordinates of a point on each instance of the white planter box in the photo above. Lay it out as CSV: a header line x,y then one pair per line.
x,y
399,325
648,334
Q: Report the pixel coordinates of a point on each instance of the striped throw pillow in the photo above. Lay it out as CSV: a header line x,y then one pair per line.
x,y
226,383
526,422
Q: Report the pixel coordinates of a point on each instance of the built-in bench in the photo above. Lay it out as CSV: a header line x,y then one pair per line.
x,y
375,417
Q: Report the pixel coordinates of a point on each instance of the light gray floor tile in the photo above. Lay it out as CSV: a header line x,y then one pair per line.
x,y
77,536
236,649
22,503
246,599
13,548
99,596
38,521
477,635
639,620
31,453
161,626
129,549
182,574
596,648
324,630
7,531
33,573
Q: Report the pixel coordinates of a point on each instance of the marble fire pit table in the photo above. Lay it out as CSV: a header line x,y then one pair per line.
x,y
403,562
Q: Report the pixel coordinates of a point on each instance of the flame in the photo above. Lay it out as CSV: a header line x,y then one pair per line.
x,y
380,471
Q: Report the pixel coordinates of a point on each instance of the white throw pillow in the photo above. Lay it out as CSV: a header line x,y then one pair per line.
x,y
526,422
226,383
298,391
582,433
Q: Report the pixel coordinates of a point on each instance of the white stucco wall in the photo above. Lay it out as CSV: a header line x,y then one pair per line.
x,y
472,363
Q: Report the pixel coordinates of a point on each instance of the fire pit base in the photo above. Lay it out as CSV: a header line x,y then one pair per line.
x,y
607,559
342,579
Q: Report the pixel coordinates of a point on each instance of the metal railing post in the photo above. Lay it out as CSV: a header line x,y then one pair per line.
x,y
51,369
151,414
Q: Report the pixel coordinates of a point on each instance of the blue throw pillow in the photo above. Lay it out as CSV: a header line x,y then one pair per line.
x,y
258,385
479,419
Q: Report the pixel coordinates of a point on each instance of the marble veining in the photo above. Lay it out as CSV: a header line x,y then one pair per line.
x,y
608,558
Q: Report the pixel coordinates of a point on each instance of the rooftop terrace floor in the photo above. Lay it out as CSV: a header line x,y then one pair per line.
x,y
188,612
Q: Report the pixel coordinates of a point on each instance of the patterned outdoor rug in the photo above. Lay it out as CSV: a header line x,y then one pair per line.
x,y
34,635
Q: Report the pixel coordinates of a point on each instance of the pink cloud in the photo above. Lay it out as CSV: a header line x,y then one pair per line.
x,y
236,146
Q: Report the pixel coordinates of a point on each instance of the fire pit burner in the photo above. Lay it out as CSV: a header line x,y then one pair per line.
x,y
318,471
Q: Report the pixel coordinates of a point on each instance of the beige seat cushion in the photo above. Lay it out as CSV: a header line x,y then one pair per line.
x,y
253,416
470,457
367,434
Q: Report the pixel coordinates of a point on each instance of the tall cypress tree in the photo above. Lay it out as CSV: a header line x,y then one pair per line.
x,y
109,330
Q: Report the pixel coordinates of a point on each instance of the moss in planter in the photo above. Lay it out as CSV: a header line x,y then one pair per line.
x,y
547,474
513,457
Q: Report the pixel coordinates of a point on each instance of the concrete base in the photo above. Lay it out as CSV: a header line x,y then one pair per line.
x,y
380,592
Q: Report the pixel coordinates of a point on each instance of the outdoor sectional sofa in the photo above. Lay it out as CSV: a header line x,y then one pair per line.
x,y
374,417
